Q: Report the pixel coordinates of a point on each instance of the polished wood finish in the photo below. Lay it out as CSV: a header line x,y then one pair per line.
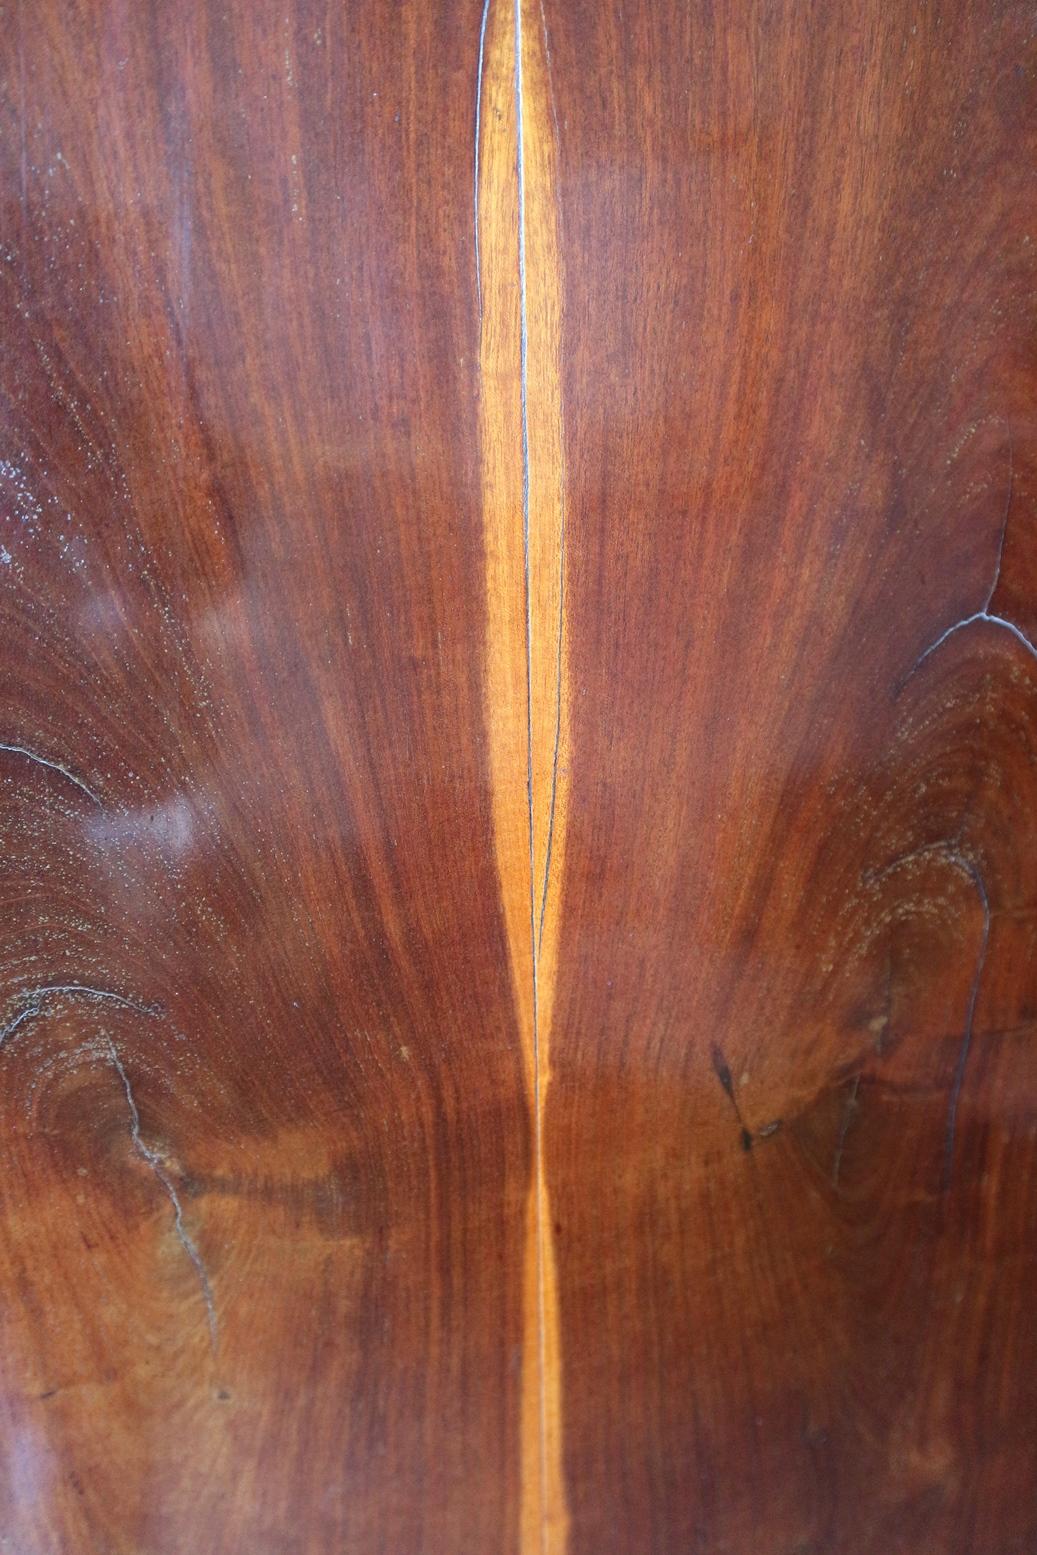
x,y
245,607
517,774
790,1130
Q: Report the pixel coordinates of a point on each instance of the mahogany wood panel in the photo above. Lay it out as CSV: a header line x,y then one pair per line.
x,y
790,1126
518,778
266,1134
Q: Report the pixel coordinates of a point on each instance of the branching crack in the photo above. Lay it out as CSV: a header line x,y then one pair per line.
x,y
980,615
34,1000
154,1161
34,1003
986,614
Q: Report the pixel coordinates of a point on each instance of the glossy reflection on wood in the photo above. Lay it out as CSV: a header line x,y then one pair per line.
x,y
243,604
791,1129
517,776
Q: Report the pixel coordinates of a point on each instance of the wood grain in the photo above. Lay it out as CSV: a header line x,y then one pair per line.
x,y
790,1129
518,778
245,605
528,721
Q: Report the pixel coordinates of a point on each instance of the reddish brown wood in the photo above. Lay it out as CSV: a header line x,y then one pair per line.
x,y
243,605
790,1130
318,1231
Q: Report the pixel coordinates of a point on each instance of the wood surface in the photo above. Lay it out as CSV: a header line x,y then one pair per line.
x,y
518,778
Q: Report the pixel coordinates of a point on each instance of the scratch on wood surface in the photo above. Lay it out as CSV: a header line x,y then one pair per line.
x,y
550,73
53,766
844,1128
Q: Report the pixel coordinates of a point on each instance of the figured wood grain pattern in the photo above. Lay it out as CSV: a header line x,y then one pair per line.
x,y
243,603
790,1132
517,778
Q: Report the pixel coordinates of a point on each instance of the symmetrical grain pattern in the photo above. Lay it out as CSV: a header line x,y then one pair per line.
x,y
518,778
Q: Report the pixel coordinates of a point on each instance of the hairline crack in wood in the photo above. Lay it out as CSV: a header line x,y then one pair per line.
x,y
518,317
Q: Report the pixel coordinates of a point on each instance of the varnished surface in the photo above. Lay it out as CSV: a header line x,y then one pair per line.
x,y
517,778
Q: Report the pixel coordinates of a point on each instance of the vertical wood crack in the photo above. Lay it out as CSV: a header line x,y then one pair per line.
x,y
534,937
